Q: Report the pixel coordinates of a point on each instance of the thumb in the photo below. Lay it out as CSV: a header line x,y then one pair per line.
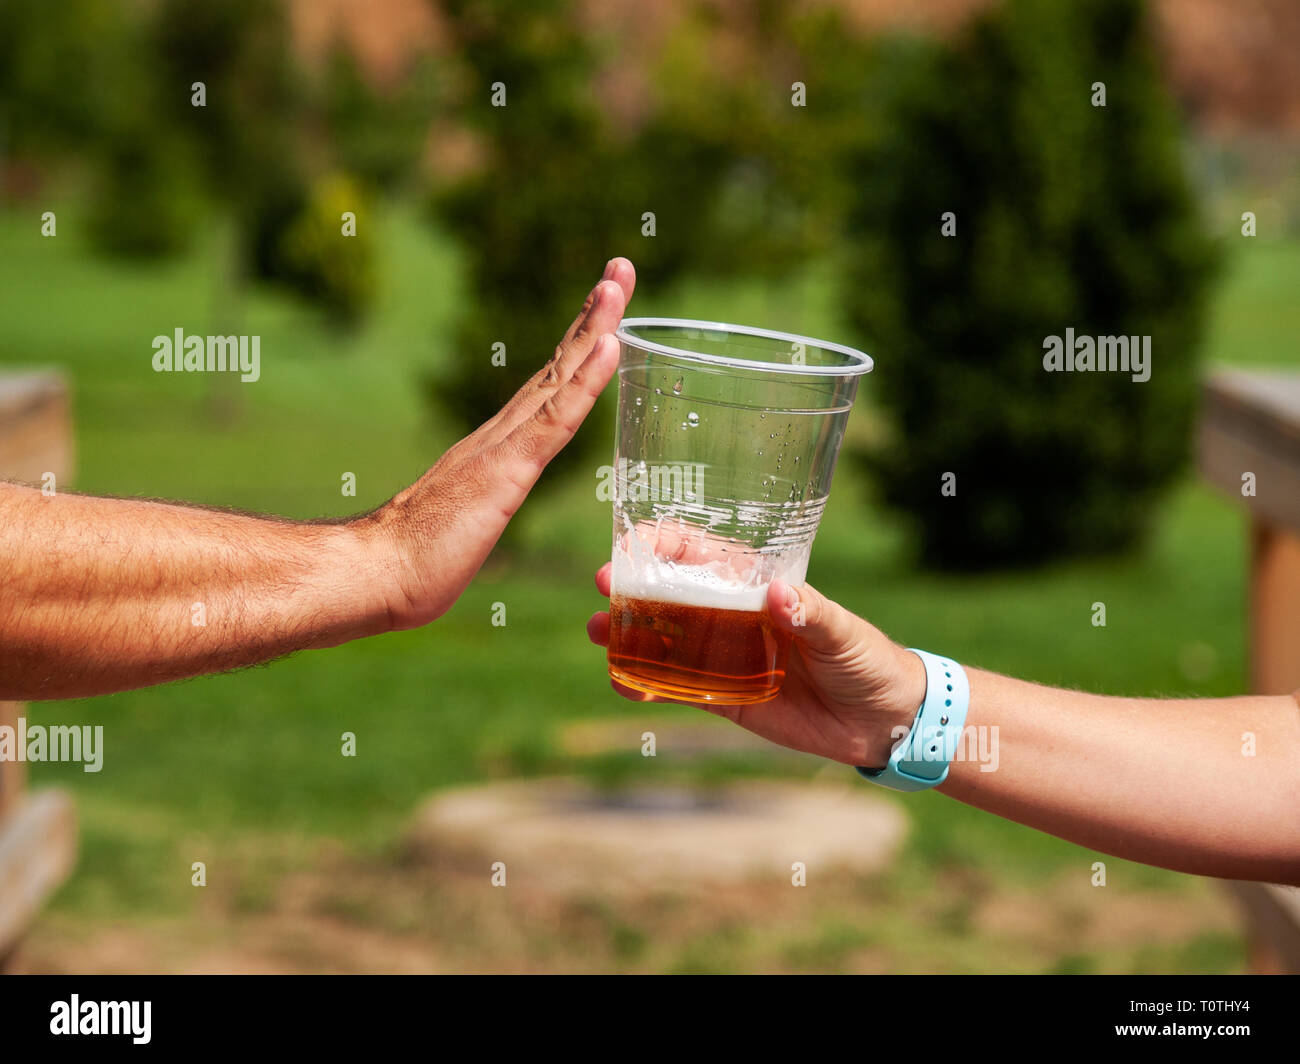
x,y
819,624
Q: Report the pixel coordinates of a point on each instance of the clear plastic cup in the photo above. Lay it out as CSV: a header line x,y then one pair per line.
x,y
724,450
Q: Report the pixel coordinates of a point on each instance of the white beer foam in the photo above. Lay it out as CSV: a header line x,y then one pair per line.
x,y
685,585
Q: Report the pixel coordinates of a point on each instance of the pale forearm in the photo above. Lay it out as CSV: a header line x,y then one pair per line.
x,y
99,595
1205,786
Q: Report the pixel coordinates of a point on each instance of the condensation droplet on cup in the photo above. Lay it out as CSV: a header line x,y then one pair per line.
x,y
677,386
693,418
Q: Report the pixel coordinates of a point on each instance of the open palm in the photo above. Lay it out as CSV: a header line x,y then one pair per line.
x,y
442,528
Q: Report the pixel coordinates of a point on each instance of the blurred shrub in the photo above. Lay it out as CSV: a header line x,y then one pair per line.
x,y
1067,215
377,135
112,86
247,132
73,87
267,220
253,138
143,199
739,180
537,221
335,272
764,180
63,69
247,137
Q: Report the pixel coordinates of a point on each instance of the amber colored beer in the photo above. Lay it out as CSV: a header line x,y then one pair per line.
x,y
696,653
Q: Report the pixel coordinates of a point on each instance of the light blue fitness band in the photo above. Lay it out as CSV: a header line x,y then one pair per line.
x,y
921,758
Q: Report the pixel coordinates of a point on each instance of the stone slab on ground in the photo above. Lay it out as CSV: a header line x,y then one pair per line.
x,y
567,832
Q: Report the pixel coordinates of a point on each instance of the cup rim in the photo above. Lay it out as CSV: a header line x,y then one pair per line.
x,y
861,361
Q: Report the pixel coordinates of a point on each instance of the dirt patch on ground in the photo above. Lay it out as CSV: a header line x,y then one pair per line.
x,y
1073,914
415,913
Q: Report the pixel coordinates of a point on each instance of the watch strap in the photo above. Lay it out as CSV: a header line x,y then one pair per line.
x,y
921,759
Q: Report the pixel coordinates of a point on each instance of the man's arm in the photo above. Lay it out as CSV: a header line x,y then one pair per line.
x,y
106,594
100,595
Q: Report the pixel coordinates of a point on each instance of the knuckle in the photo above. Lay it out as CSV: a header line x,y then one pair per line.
x,y
814,607
550,374
551,417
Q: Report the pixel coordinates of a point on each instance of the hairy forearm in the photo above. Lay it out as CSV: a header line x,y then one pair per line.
x,y
100,595
1207,786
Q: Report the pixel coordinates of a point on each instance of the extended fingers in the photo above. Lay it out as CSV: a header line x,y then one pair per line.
x,y
623,273
600,314
607,303
524,453
619,271
604,578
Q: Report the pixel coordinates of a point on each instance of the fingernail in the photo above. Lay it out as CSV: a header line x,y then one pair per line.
x,y
791,596
609,270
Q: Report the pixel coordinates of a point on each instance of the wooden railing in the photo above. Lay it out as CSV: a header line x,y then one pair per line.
x,y
1249,445
38,830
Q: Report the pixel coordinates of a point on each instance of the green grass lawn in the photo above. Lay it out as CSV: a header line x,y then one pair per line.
x,y
245,768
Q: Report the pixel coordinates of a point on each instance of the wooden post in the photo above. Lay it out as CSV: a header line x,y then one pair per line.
x,y
1274,609
12,775
38,831
1249,445
35,427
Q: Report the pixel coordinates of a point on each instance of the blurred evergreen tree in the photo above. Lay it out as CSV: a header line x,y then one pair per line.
x,y
1067,215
